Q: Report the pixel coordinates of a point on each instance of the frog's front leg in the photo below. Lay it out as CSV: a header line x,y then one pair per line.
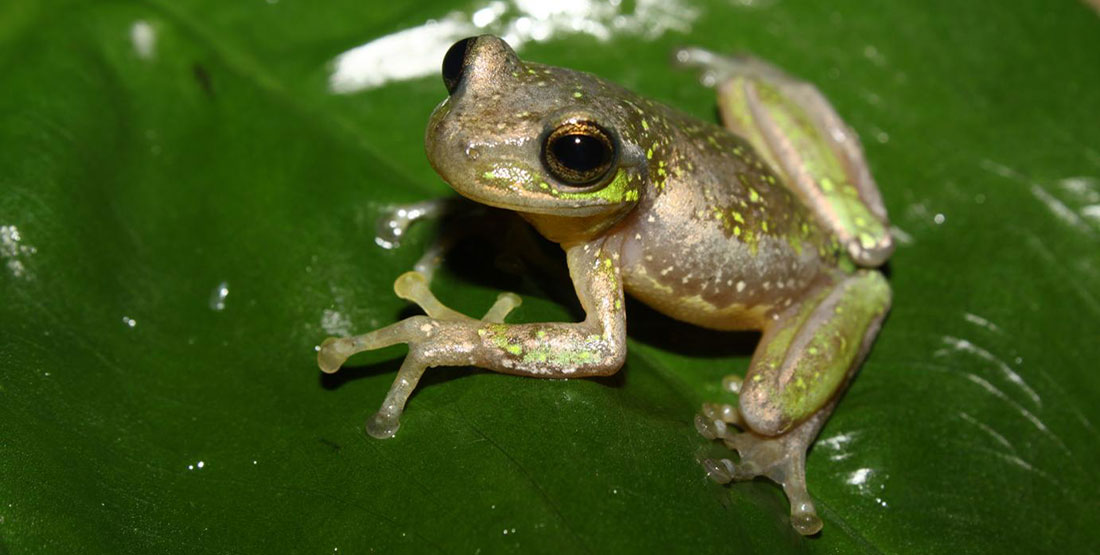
x,y
803,362
593,347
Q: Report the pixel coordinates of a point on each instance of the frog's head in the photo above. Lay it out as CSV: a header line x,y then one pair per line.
x,y
546,142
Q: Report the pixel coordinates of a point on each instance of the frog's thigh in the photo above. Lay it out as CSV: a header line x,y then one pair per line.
x,y
791,125
806,356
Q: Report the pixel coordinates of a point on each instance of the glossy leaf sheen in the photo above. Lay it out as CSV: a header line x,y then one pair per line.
x,y
136,416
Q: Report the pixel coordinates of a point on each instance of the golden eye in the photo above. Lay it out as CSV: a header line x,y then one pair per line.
x,y
578,153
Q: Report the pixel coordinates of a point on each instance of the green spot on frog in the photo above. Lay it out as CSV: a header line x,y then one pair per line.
x,y
619,190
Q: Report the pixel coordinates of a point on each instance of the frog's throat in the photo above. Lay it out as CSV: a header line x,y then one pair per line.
x,y
567,230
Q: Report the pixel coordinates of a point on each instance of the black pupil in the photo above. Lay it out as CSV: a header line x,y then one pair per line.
x,y
580,153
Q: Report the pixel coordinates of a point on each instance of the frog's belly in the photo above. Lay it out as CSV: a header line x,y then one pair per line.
x,y
711,281
696,310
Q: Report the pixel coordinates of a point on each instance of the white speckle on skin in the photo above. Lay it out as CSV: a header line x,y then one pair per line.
x,y
740,286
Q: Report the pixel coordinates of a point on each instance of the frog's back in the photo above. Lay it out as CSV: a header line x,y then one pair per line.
x,y
719,239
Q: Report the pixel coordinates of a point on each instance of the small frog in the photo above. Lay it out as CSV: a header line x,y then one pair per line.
x,y
769,223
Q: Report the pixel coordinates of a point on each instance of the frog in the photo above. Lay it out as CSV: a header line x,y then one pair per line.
x,y
770,221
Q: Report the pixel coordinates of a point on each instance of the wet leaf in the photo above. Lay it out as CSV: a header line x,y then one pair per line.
x,y
188,194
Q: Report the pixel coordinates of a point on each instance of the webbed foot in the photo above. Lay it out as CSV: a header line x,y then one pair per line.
x,y
412,286
781,459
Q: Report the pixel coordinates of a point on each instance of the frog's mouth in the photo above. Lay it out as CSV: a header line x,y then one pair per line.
x,y
514,187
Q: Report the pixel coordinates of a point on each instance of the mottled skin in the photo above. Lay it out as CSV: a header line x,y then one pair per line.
x,y
766,224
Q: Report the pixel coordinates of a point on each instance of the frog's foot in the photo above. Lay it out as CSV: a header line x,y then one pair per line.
x,y
781,459
411,286
393,225
714,69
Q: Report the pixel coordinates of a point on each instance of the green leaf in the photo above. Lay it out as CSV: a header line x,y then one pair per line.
x,y
155,153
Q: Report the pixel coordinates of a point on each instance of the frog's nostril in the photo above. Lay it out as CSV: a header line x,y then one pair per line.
x,y
454,63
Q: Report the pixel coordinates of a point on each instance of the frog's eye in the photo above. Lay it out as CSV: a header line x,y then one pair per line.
x,y
454,63
578,153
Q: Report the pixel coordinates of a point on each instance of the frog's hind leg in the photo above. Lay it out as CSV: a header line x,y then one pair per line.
x,y
795,129
804,360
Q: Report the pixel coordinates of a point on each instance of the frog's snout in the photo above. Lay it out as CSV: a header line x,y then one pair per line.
x,y
486,55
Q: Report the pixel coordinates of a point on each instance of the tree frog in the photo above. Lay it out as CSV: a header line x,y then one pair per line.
x,y
771,222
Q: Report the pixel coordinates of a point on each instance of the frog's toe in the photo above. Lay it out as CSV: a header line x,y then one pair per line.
x,y
331,355
806,523
505,304
732,383
719,470
393,225
383,425
707,63
414,287
780,459
722,411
